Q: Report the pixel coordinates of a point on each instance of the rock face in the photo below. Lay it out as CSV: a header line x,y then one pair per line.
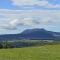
x,y
32,34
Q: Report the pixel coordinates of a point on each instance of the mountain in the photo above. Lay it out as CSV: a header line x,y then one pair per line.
x,y
37,34
32,34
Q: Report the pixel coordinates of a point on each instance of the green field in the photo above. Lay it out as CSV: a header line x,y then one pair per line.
x,y
47,52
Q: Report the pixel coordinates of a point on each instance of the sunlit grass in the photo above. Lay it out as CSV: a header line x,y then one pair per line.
x,y
47,52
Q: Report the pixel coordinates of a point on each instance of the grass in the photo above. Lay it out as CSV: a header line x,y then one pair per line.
x,y
47,52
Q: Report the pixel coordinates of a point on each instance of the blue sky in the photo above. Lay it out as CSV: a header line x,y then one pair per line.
x,y
18,15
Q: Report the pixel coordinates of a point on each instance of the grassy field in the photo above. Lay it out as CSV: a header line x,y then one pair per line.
x,y
47,52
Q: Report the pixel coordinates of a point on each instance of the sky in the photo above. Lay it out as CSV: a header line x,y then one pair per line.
x,y
18,15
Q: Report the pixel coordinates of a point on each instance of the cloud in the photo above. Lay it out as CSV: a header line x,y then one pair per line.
x,y
53,6
26,4
14,19
29,2
12,24
7,26
23,22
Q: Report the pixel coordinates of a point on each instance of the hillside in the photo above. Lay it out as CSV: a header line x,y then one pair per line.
x,y
32,34
47,52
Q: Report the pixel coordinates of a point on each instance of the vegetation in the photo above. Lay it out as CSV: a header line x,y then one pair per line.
x,y
32,50
46,52
26,43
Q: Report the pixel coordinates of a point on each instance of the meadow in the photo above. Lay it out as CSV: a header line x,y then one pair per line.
x,y
45,52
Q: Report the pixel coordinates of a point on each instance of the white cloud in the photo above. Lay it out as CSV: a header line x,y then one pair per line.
x,y
44,3
29,2
53,6
14,18
24,21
